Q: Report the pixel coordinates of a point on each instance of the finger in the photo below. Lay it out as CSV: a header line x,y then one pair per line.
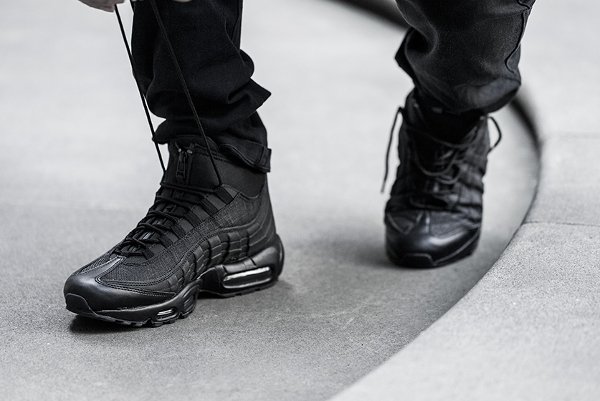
x,y
109,5
105,5
94,4
107,8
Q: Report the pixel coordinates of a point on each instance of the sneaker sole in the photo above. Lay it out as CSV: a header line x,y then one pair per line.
x,y
226,280
425,260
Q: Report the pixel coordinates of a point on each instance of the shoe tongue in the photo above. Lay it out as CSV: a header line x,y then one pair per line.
x,y
431,152
434,149
190,166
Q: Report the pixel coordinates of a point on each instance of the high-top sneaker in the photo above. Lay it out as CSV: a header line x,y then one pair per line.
x,y
199,236
433,216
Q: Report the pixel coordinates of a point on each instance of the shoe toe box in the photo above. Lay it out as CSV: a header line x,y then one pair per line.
x,y
86,287
428,239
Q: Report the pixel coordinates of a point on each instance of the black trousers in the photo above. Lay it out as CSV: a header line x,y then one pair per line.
x,y
462,56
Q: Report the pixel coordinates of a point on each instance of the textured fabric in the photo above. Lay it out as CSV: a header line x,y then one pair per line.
x,y
210,252
464,54
241,213
444,180
206,38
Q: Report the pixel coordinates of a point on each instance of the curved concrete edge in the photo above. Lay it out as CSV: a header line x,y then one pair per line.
x,y
527,331
530,329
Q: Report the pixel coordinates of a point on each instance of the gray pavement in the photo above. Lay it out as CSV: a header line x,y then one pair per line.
x,y
80,171
530,329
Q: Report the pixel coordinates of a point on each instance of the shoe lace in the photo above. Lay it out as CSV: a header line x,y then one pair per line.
x,y
444,169
171,204
182,81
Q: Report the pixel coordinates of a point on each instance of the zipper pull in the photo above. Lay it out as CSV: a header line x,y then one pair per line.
x,y
183,165
181,171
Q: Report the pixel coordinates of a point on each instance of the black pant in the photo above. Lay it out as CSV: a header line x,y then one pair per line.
x,y
462,55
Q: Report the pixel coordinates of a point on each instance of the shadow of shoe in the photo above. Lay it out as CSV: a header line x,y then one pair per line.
x,y
84,325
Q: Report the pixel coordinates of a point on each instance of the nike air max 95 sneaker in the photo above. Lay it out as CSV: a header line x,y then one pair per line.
x,y
203,234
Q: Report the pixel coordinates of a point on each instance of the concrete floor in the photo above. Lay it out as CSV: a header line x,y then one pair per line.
x,y
80,171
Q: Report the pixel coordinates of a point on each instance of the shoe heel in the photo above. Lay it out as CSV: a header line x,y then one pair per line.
x,y
253,273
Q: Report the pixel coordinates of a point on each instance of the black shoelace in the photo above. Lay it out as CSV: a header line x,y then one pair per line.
x,y
444,169
162,218
172,202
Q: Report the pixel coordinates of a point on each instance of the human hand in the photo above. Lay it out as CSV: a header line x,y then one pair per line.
x,y
105,5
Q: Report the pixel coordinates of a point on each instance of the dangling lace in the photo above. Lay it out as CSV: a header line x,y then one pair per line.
x,y
140,90
389,146
455,155
182,81
499,131
172,202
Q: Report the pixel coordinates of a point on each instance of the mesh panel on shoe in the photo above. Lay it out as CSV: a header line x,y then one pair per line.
x,y
96,263
140,273
139,270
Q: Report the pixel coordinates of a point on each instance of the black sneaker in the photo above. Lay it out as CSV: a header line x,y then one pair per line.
x,y
198,237
433,216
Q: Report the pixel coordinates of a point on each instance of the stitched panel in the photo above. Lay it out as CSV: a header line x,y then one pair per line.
x,y
200,247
